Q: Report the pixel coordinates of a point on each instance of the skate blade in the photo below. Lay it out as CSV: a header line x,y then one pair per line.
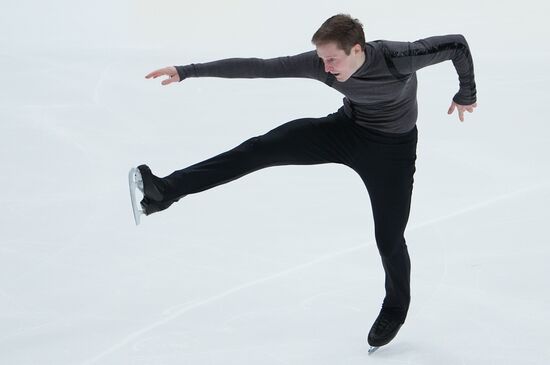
x,y
373,349
135,182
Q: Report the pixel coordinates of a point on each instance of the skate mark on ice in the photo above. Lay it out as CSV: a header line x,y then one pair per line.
x,y
483,204
326,257
186,308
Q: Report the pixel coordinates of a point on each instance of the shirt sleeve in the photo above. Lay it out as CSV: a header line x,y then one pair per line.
x,y
405,58
303,65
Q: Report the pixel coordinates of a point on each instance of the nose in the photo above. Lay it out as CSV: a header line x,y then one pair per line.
x,y
328,68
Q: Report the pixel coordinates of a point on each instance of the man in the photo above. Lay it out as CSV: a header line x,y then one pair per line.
x,y
374,133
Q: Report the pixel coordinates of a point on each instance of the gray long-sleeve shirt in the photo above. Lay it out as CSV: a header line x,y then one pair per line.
x,y
381,94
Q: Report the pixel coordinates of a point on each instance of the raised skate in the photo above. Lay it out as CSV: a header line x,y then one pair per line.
x,y
135,182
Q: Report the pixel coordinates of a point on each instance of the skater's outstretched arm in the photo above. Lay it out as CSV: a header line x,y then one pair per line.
x,y
404,58
304,65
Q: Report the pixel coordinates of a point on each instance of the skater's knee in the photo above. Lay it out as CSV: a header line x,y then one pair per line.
x,y
249,145
389,245
258,146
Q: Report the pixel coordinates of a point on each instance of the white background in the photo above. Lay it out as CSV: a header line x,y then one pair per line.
x,y
280,266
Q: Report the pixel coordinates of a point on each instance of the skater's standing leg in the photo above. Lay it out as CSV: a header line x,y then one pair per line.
x,y
387,165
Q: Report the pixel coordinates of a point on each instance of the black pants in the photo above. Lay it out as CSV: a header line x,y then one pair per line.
x,y
385,162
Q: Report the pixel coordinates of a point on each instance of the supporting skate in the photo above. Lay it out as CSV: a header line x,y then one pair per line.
x,y
372,349
135,182
385,328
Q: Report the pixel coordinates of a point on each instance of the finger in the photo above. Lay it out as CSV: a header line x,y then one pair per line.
x,y
470,109
151,74
157,73
461,114
451,108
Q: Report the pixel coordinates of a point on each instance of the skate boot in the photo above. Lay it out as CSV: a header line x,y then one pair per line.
x,y
150,206
385,327
153,187
154,192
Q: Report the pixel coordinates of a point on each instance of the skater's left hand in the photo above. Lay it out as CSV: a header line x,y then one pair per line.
x,y
461,109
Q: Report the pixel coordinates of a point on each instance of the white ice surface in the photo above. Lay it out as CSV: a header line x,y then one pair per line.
x,y
280,266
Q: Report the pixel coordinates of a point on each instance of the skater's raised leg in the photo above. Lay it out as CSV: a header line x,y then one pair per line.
x,y
300,142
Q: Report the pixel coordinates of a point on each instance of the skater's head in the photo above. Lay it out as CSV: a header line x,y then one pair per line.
x,y
340,43
342,30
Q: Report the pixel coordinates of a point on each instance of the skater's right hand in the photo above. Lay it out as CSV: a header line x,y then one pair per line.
x,y
168,71
461,109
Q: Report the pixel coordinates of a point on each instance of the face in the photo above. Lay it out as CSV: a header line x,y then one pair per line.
x,y
339,64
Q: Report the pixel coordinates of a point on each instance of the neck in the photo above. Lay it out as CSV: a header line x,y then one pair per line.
x,y
361,58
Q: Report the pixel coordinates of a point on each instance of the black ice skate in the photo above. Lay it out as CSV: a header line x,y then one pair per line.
x,y
385,328
152,189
